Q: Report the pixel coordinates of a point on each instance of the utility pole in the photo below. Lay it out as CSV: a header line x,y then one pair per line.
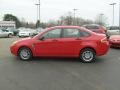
x,y
38,11
101,18
74,10
119,16
113,4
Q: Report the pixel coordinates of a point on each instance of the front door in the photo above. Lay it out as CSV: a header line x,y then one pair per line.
x,y
50,45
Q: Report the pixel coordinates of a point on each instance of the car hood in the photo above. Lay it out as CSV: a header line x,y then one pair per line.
x,y
26,40
117,37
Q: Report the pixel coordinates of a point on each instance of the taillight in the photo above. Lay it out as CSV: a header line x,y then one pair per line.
x,y
104,40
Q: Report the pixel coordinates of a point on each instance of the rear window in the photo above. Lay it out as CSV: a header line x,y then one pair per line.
x,y
92,27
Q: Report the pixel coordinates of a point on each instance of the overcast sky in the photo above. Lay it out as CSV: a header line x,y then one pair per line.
x,y
53,9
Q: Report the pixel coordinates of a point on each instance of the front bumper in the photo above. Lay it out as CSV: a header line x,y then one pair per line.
x,y
13,50
115,44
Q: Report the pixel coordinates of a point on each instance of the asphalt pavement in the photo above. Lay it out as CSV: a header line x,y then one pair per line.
x,y
58,73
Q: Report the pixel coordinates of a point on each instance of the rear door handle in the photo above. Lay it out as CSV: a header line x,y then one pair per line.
x,y
78,39
54,40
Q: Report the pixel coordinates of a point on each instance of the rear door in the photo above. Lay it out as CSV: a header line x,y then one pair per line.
x,y
71,42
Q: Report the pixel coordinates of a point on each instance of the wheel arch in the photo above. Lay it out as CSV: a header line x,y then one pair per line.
x,y
88,48
24,47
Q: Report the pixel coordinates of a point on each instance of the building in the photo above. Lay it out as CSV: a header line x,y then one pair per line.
x,y
7,24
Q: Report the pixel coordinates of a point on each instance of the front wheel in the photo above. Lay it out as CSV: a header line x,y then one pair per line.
x,y
25,54
87,55
9,35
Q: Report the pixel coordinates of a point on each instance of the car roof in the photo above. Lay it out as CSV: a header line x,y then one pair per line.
x,y
57,27
77,27
65,27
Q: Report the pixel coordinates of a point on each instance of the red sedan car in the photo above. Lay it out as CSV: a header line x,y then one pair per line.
x,y
115,41
62,41
95,28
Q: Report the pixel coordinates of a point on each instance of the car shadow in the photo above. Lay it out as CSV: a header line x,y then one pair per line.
x,y
62,60
115,48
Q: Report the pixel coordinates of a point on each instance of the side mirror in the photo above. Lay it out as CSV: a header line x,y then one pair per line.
x,y
41,38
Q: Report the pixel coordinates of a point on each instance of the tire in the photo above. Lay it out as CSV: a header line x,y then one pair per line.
x,y
87,55
9,35
25,54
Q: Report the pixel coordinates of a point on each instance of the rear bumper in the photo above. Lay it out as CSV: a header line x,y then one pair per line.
x,y
103,49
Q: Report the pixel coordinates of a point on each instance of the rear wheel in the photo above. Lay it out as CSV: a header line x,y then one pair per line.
x,y
25,54
87,55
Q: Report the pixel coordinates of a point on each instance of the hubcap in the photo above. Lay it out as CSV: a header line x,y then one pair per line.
x,y
25,54
87,56
10,35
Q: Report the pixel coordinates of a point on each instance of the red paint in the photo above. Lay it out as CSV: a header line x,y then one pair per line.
x,y
95,28
63,47
115,41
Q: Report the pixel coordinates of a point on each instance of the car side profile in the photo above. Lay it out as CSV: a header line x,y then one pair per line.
x,y
62,41
4,34
26,33
113,30
95,28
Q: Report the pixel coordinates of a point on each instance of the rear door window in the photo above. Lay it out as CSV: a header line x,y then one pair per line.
x,y
70,33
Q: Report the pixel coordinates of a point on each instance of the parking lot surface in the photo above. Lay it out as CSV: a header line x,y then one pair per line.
x,y
58,73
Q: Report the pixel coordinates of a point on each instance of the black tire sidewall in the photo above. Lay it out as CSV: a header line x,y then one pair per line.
x,y
9,35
